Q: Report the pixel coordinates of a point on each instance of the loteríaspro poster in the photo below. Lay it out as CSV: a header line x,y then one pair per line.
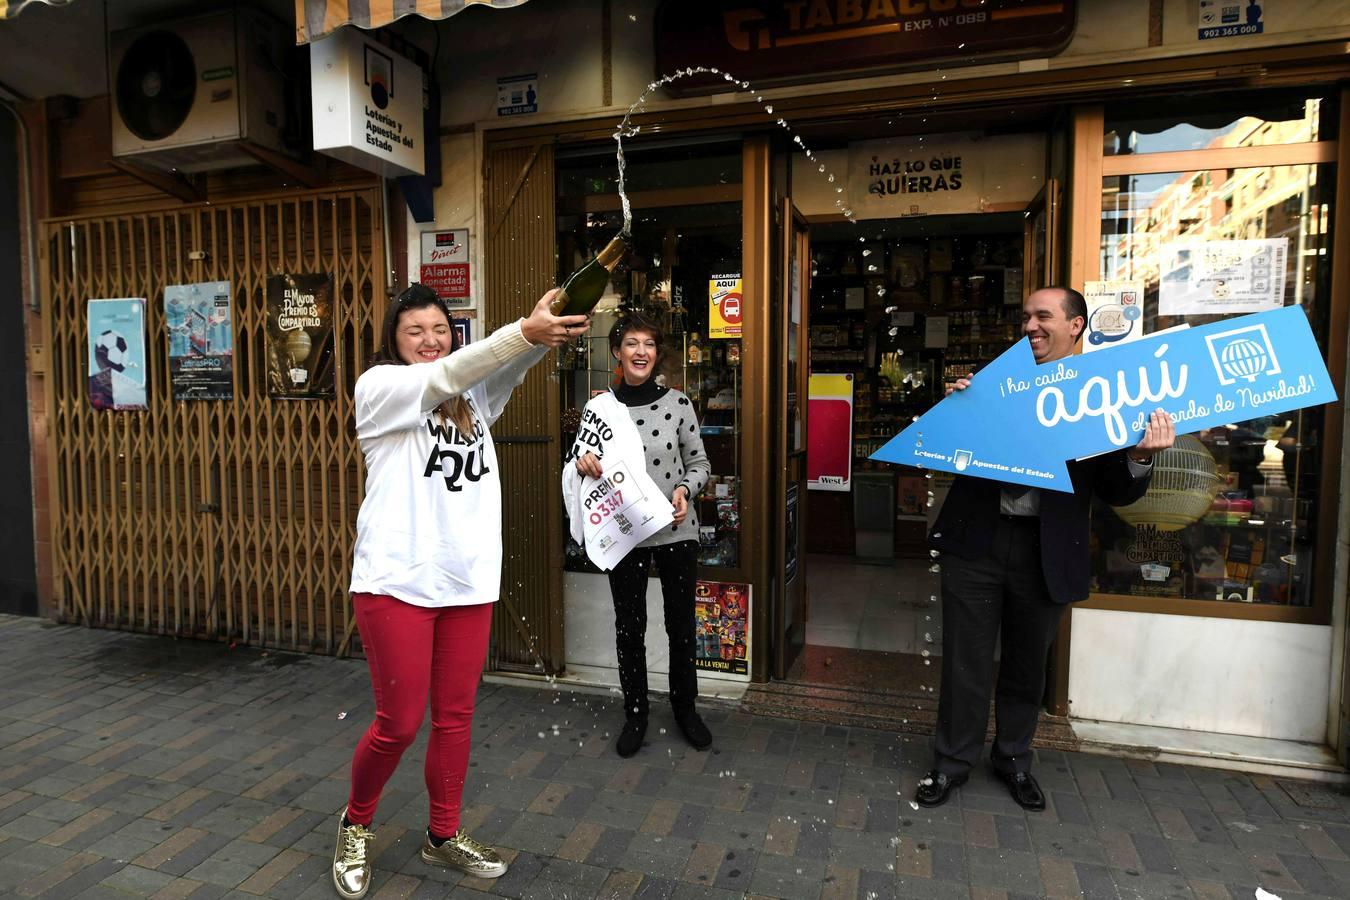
x,y
200,324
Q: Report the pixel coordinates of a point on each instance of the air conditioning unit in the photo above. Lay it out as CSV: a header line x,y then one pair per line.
x,y
186,94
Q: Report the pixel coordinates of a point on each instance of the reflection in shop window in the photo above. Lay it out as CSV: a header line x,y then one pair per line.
x,y
1231,513
1152,126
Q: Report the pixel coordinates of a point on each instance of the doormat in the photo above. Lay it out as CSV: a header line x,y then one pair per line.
x,y
892,692
1310,795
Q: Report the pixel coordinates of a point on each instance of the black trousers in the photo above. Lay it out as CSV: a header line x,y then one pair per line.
x,y
678,565
1007,589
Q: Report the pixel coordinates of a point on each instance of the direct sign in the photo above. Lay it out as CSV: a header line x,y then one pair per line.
x,y
1081,406
445,264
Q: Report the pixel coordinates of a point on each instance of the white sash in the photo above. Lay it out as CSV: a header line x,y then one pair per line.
x,y
613,514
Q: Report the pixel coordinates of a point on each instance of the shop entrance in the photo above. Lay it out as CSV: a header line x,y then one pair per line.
x,y
914,305
919,291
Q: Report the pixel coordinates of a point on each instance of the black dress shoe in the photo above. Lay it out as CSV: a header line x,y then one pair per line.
x,y
935,787
1025,792
693,729
630,739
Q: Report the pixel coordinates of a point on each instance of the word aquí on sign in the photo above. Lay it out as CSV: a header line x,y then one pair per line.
x,y
1096,398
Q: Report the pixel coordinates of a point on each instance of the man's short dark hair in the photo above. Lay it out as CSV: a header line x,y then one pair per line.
x,y
1073,303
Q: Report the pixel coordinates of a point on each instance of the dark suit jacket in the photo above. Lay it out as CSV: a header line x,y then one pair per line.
x,y
965,526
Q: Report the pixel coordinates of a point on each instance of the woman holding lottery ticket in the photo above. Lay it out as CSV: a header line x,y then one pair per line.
x,y
675,460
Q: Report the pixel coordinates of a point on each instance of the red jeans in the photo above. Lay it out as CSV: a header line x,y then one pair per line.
x,y
415,652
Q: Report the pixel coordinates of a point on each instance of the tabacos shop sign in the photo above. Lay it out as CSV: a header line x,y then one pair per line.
x,y
781,41
367,104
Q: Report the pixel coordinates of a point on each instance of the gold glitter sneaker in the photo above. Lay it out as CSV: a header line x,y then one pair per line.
x,y
351,866
465,854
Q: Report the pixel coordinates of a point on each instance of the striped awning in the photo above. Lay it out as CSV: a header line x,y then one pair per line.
x,y
11,8
315,18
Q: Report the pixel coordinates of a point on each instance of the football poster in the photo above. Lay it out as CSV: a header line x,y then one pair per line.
x,y
300,355
722,627
200,325
117,374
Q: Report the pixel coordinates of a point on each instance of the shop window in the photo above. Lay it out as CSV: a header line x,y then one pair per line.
x,y
1232,512
1160,125
919,303
676,253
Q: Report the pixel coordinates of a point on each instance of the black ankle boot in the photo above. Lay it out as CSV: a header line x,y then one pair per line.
x,y
693,729
630,739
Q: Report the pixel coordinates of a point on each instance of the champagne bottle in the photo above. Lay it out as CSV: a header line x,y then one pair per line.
x,y
583,289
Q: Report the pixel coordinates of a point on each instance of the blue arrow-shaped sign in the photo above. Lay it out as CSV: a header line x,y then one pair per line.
x,y
1019,422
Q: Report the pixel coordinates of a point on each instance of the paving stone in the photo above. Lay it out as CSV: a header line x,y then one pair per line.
x,y
209,774
137,880
786,877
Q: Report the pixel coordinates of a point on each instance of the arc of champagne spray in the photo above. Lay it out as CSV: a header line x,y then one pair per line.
x,y
626,129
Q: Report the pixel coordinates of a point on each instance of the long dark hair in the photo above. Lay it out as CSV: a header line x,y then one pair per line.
x,y
419,296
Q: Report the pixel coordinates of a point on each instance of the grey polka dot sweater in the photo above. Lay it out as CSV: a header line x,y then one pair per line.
x,y
673,448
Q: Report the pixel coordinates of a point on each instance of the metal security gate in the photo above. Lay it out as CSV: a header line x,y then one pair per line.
x,y
225,519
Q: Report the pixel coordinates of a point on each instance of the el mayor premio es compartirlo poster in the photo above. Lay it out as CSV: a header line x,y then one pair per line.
x,y
300,336
200,324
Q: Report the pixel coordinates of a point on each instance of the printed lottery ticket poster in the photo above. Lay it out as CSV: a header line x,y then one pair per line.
x,y
1115,313
300,336
117,354
1202,278
201,340
622,510
722,627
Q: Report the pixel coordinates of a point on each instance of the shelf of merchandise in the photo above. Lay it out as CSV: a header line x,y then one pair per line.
x,y
700,398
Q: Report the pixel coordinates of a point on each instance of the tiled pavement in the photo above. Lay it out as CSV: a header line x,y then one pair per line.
x,y
142,766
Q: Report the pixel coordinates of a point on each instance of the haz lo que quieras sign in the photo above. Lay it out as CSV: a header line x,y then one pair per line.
x,y
1019,422
943,173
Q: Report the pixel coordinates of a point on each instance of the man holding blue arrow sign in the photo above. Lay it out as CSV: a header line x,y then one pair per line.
x,y
1016,534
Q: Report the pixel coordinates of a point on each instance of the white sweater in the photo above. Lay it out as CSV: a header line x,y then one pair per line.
x,y
430,528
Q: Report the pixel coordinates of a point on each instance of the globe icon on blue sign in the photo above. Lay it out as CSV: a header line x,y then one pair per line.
x,y
1244,358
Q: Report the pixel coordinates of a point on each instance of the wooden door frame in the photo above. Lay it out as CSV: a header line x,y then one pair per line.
x,y
796,238
758,361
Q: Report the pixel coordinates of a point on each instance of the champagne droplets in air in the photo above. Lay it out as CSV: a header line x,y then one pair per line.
x,y
625,130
